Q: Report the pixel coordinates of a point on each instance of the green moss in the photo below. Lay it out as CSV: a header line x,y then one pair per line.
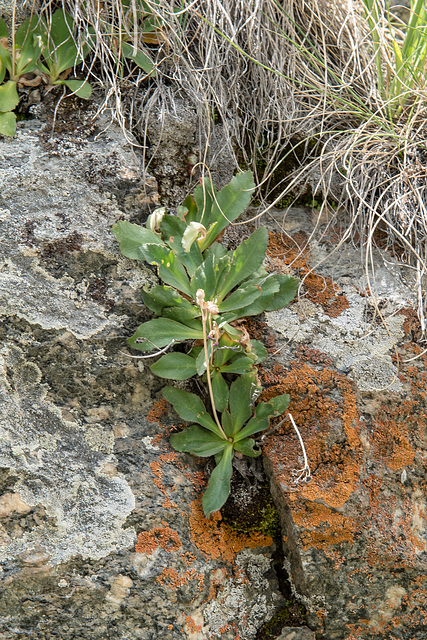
x,y
291,615
255,512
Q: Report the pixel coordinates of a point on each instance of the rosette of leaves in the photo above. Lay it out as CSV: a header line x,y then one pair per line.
x,y
235,281
240,420
39,53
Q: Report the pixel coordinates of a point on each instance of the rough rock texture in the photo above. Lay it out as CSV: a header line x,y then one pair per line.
x,y
101,529
355,536
292,633
22,9
175,143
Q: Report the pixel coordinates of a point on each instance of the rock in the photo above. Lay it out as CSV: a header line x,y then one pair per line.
x,y
355,534
100,521
297,633
171,131
22,10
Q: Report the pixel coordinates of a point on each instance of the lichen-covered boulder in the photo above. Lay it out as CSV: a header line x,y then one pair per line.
x,y
355,535
101,529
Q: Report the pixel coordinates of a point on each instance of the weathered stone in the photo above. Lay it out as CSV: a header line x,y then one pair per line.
x,y
175,143
297,633
101,528
355,534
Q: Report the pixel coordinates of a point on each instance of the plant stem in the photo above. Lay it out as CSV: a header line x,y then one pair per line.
x,y
208,374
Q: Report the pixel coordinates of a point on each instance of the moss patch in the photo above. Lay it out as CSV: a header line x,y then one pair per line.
x,y
291,615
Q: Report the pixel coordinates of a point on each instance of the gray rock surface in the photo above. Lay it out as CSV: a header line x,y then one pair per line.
x,y
297,633
101,529
353,363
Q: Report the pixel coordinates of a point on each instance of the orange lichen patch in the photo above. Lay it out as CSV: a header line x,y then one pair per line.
x,y
285,251
158,411
412,325
168,457
171,578
259,330
324,291
156,468
192,626
198,479
388,520
217,540
390,441
320,526
323,405
217,577
163,537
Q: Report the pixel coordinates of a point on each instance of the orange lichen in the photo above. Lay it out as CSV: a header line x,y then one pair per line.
x,y
158,411
390,441
320,525
285,251
168,457
321,401
156,468
163,537
217,540
171,578
192,626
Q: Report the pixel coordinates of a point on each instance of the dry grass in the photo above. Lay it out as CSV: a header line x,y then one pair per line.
x,y
279,75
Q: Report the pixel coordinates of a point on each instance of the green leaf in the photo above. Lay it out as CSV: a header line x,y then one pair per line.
x,y
259,349
131,236
218,488
175,366
245,259
269,286
241,365
246,447
184,316
227,423
173,230
7,123
4,33
254,425
161,296
28,29
204,195
218,250
5,63
229,203
189,407
60,53
157,333
9,98
139,58
201,360
241,391
171,270
29,44
280,403
204,278
220,391
287,292
192,213
198,441
81,88
240,298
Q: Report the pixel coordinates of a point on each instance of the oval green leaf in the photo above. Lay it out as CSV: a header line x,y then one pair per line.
x,y
175,366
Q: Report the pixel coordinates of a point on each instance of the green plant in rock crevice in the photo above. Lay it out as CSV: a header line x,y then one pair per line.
x,y
45,52
40,53
208,292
